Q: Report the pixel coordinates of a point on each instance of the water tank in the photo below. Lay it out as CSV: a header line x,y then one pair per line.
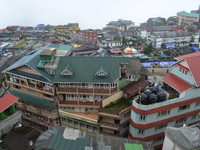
x,y
147,92
144,99
154,90
153,98
161,96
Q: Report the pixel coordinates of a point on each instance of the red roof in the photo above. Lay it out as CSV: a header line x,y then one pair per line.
x,y
117,51
176,82
56,40
193,61
133,88
7,101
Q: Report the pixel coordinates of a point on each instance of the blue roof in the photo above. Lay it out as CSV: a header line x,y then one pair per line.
x,y
168,44
194,47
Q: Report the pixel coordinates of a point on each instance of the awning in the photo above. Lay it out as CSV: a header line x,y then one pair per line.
x,y
7,101
176,82
133,88
168,44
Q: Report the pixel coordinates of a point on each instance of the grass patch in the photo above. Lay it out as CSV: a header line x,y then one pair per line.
x,y
114,107
21,45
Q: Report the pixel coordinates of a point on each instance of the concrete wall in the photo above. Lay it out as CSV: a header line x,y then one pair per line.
x,y
159,70
112,98
7,123
188,77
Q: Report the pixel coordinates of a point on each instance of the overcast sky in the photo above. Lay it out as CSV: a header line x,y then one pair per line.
x,y
88,13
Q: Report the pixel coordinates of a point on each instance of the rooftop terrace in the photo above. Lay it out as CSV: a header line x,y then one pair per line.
x,y
116,106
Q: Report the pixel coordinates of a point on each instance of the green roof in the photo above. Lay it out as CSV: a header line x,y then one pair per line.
x,y
41,63
65,47
103,68
32,59
34,100
184,13
130,146
29,75
84,69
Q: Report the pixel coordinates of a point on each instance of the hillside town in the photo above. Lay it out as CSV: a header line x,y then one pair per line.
x,y
122,87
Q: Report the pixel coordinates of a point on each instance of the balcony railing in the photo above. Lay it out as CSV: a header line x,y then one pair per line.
x,y
85,90
85,103
98,103
66,89
68,102
114,90
101,91
109,125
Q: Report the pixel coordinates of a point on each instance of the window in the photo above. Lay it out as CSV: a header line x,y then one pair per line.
x,y
95,128
57,121
83,125
186,72
17,87
180,69
31,91
140,131
180,120
54,111
163,113
64,119
31,106
194,117
160,126
158,139
70,121
197,104
89,127
76,123
142,117
126,125
127,114
46,110
184,107
49,96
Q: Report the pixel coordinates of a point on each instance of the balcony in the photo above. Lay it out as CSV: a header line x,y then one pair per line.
x,y
85,103
85,90
24,83
66,89
98,103
103,91
34,110
31,85
109,125
113,90
68,102
48,90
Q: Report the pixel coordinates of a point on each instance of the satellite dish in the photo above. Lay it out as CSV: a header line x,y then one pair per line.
x,y
31,143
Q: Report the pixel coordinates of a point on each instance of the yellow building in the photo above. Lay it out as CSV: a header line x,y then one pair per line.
x,y
70,26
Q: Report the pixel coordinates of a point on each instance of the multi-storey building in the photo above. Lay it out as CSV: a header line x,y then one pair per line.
x,y
121,24
148,121
187,19
89,36
81,83
174,38
70,26
35,90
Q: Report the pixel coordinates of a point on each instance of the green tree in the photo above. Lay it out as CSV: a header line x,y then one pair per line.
x,y
148,49
133,42
124,41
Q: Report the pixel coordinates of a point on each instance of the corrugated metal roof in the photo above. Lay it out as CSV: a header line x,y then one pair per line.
x,y
85,68
7,101
184,13
83,140
176,82
65,47
34,100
